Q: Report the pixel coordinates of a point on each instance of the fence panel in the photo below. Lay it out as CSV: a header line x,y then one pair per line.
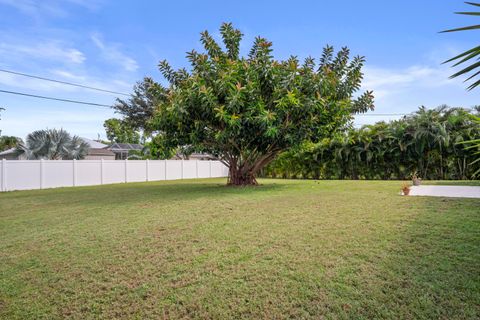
x,y
89,172
22,175
136,171
217,169
174,169
189,169
156,170
57,174
39,174
204,169
2,175
113,171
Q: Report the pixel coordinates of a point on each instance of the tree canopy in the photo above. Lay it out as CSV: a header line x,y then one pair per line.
x,y
140,107
120,131
247,110
8,142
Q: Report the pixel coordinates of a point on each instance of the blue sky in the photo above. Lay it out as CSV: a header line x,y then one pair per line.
x,y
112,44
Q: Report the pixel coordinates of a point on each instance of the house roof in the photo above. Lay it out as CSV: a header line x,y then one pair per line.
x,y
195,155
8,151
125,147
100,152
94,144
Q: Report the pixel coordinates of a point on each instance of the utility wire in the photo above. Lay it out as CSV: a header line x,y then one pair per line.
x,y
107,106
56,99
62,82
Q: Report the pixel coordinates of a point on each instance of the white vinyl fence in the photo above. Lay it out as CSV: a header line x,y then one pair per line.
x,y
42,174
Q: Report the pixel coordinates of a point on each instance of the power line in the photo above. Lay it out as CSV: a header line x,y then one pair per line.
x,y
62,82
56,99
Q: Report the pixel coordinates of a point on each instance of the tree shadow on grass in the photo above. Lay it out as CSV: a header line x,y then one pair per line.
x,y
431,270
123,194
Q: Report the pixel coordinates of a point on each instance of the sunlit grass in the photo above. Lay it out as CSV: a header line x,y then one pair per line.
x,y
198,249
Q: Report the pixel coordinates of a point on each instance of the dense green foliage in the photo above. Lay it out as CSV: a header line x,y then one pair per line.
x,y
120,131
53,144
474,145
137,113
138,110
472,70
427,142
8,142
247,110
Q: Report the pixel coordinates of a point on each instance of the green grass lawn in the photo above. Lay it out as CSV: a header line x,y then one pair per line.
x,y
198,249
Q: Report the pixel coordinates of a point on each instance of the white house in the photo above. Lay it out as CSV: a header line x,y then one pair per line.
x,y
98,151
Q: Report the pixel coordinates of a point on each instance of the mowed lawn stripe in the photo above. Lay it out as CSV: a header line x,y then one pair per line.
x,y
198,249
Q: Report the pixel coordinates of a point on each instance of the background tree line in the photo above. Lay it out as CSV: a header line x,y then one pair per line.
x,y
430,143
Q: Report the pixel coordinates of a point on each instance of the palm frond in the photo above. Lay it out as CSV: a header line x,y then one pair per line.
x,y
469,54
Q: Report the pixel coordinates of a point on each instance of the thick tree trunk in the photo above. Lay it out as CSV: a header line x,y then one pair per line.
x,y
243,169
237,177
244,173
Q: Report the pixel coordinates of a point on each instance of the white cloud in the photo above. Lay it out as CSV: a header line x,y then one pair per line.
x,y
112,53
92,81
39,9
403,90
89,4
20,82
25,84
382,78
68,75
49,50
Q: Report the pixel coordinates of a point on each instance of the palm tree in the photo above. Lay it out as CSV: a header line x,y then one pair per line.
x,y
474,145
430,137
430,142
52,144
468,55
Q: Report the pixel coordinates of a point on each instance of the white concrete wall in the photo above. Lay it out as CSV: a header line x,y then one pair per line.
x,y
42,174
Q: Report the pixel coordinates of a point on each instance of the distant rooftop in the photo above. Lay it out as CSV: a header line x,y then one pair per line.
x,y
125,147
8,151
94,144
100,152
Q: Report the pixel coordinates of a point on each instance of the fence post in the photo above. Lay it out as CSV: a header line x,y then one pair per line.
x,y
41,173
74,172
165,168
101,171
146,170
4,175
126,170
210,168
182,167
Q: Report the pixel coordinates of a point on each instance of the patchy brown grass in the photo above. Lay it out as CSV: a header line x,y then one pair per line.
x,y
197,249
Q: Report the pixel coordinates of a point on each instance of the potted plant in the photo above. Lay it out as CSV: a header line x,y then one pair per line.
x,y
415,179
406,189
